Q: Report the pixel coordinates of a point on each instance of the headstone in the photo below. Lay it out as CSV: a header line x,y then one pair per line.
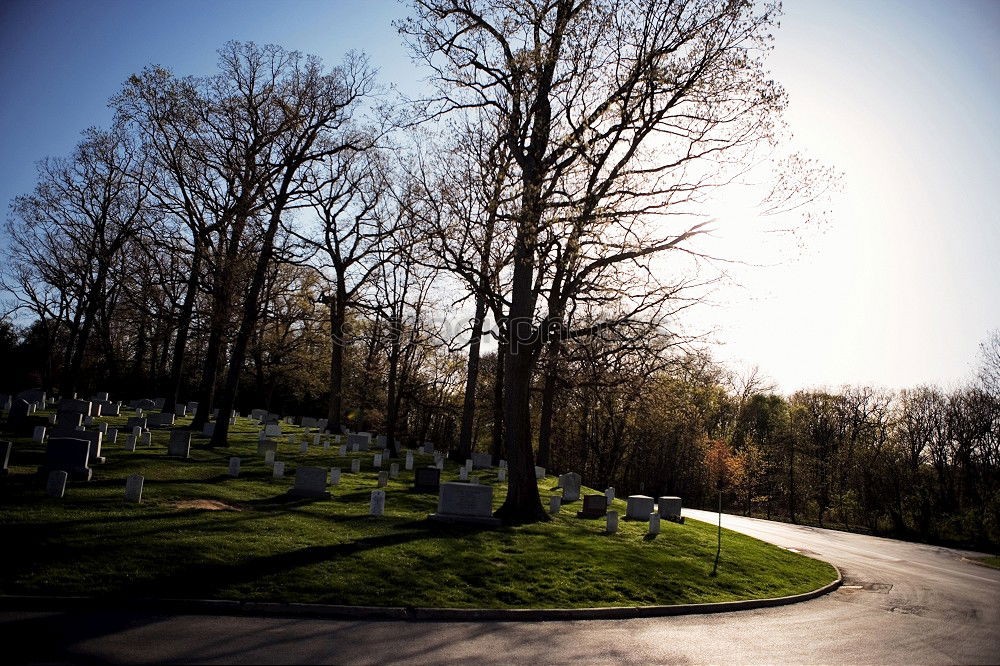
x,y
440,464
383,479
609,494
70,455
308,422
465,503
135,422
316,439
192,407
102,427
96,439
111,436
594,506
612,524
377,460
265,446
380,441
278,471
409,460
376,507
428,448
427,479
180,444
342,451
304,447
5,448
310,482
503,464
269,457
55,486
361,440
638,507
130,443
555,503
160,420
463,473
468,464
539,473
670,507
355,466
234,466
570,483
654,523
272,430
79,406
17,415
69,419
502,474
293,439
334,476
146,439
482,460
111,408
394,470
180,411
208,430
133,488
38,436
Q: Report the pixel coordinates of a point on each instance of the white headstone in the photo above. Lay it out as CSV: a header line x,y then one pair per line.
x,y
355,466
409,460
612,522
133,488
342,451
234,467
463,473
56,484
377,505
394,470
502,474
279,469
539,473
638,507
570,483
609,493
468,464
316,440
377,460
335,476
440,464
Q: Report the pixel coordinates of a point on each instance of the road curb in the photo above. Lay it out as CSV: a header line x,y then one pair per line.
x,y
337,612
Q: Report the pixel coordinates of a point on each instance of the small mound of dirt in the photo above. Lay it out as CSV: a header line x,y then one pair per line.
x,y
205,505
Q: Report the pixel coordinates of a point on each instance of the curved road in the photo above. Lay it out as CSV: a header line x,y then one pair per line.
x,y
901,603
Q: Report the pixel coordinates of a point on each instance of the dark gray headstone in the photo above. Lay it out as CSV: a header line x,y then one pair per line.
x,y
17,417
594,506
481,460
70,455
180,444
427,479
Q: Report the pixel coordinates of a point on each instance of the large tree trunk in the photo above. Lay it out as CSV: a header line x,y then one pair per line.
x,y
210,369
392,387
498,430
183,327
465,443
338,342
548,404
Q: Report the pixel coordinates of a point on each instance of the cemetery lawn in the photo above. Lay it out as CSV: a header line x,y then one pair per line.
x,y
200,534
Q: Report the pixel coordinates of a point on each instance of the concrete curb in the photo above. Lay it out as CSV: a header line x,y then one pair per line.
x,y
330,611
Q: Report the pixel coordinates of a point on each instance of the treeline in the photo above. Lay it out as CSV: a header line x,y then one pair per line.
x,y
502,265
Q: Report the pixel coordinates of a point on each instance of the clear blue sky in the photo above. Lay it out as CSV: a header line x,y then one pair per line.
x,y
900,95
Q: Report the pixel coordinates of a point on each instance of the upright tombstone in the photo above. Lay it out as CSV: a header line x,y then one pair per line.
x,y
234,466
465,503
377,461
612,522
463,473
38,436
428,448
383,479
180,411
502,474
55,484
609,494
638,507
5,448
160,420
208,430
70,455
355,466
17,416
267,445
380,441
361,440
95,438
376,507
539,473
180,444
304,447
409,460
133,488
135,422
394,470
481,460
335,476
130,443
278,471
316,441
555,504
269,457
654,523
310,482
594,506
570,483
670,507
503,464
111,436
146,439
272,430
427,479
342,451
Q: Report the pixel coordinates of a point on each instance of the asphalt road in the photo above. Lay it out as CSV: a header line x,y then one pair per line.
x,y
900,603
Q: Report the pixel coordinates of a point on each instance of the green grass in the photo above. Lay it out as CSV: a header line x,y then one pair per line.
x,y
991,561
270,548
